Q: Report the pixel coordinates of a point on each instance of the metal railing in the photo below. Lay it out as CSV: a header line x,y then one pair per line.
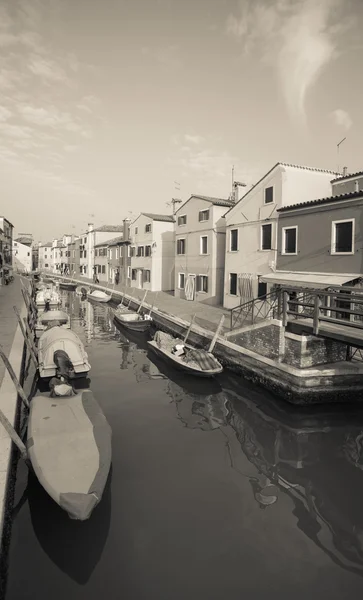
x,y
257,309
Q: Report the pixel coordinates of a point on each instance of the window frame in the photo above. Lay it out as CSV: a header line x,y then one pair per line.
x,y
283,241
179,286
202,237
182,217
199,278
261,237
148,228
144,279
129,272
136,230
333,237
230,239
204,210
185,247
146,254
273,195
229,284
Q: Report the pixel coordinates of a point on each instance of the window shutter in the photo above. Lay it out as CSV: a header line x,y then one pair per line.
x,y
206,284
198,283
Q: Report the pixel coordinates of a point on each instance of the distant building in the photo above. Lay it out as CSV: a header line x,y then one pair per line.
x,y
23,254
200,241
91,238
347,184
152,252
45,257
74,257
251,244
120,256
101,261
6,245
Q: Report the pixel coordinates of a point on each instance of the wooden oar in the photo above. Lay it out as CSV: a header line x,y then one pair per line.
x,y
213,342
141,303
153,303
189,329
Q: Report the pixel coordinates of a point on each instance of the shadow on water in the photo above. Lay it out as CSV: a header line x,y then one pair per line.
x,y
74,547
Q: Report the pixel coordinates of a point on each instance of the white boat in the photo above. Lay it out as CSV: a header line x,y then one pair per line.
x,y
49,317
133,320
99,296
58,338
50,296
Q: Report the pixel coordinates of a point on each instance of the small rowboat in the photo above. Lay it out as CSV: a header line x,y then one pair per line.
x,y
58,338
67,285
133,321
202,363
50,296
69,445
51,316
99,296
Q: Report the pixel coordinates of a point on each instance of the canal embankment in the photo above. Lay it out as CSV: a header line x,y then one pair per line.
x,y
279,362
12,342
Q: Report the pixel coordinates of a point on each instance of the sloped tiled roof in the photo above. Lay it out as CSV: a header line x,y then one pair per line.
x,y
348,176
24,240
115,241
216,201
111,228
60,245
156,217
108,242
350,196
46,245
280,164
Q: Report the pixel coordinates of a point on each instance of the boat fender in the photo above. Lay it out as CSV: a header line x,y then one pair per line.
x,y
63,364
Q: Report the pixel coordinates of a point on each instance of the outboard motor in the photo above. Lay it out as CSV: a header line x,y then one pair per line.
x,y
64,365
47,306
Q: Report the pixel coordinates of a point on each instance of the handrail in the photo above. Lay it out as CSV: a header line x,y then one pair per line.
x,y
250,306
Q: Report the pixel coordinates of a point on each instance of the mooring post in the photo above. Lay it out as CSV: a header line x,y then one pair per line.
x,y
213,342
317,304
27,341
189,329
142,302
153,304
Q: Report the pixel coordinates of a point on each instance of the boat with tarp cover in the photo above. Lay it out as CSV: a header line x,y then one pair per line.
x,y
58,338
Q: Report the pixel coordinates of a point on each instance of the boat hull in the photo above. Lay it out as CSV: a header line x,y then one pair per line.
x,y
69,445
58,338
139,326
67,286
47,318
99,298
180,364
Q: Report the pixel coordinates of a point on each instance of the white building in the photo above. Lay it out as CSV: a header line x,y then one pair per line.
x,y
23,254
251,244
45,257
90,239
152,252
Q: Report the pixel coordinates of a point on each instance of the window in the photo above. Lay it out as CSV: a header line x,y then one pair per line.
x,y
289,240
147,276
343,237
180,246
129,251
147,250
85,254
133,274
202,283
269,195
110,253
181,281
132,251
147,227
103,269
28,253
129,272
45,257
262,290
233,284
182,220
266,237
74,254
203,215
136,230
204,244
140,251
85,240
99,269
46,265
234,240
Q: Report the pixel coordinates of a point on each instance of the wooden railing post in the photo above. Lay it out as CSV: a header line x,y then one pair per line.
x,y
317,305
284,308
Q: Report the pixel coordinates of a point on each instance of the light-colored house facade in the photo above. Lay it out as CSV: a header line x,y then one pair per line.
x,y
45,257
251,227
6,245
91,238
23,254
101,261
200,239
152,252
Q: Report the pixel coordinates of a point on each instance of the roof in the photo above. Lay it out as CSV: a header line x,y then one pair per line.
x,y
60,245
348,176
46,245
109,242
157,217
115,241
111,228
350,196
281,164
309,280
7,220
216,201
24,240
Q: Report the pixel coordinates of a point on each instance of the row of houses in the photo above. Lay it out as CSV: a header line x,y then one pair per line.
x,y
296,225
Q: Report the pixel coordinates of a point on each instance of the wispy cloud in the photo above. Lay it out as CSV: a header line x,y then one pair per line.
x,y
49,117
47,69
297,37
193,139
342,118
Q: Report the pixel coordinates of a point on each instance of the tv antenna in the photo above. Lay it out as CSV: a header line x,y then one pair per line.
x,y
235,186
338,150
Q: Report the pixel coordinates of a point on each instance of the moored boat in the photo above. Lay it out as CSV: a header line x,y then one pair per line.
x,y
133,321
82,290
58,338
190,360
69,445
49,317
99,296
67,285
49,296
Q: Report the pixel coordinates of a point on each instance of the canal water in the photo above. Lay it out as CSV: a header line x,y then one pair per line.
x,y
217,491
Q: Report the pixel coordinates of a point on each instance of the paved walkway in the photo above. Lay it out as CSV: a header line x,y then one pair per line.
x,y
10,295
206,316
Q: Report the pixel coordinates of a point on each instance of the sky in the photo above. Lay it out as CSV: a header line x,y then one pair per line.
x,y
110,108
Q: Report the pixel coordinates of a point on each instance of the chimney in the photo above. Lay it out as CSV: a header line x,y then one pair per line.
x,y
345,171
126,231
356,183
90,227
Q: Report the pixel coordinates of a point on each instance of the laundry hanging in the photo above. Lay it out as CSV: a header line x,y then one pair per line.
x,y
189,288
245,286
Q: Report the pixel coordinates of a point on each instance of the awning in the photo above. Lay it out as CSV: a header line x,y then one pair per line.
x,y
309,280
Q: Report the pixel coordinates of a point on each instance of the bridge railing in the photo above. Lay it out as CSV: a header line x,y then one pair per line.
x,y
268,306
